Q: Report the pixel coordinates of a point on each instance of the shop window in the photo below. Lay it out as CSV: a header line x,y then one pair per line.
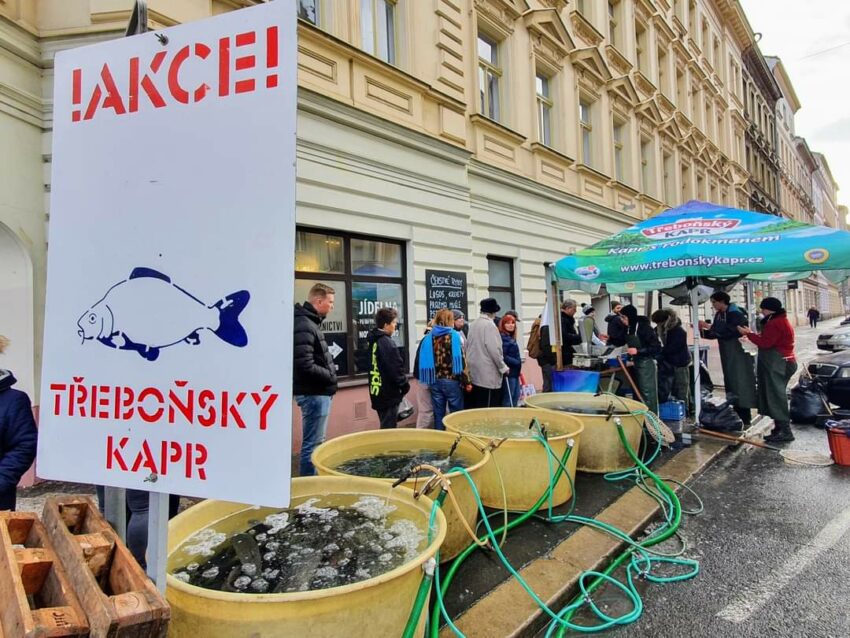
x,y
378,28
501,288
367,274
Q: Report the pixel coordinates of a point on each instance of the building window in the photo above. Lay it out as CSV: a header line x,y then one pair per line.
x,y
668,177
709,120
585,112
581,7
704,42
692,19
686,183
309,10
662,71
377,28
544,110
646,182
715,56
620,159
501,287
367,273
681,92
641,49
721,137
701,194
489,74
614,22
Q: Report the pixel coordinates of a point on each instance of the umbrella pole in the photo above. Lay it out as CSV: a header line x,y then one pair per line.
x,y
695,320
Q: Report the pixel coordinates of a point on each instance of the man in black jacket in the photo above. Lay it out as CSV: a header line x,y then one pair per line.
x,y
569,338
18,438
314,371
387,376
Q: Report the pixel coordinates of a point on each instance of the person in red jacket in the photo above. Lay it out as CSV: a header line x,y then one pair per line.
x,y
776,364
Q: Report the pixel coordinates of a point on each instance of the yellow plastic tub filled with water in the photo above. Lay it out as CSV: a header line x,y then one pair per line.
x,y
401,443
601,448
519,472
378,606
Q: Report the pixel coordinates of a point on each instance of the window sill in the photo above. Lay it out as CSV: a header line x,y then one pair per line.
x,y
486,122
585,168
543,149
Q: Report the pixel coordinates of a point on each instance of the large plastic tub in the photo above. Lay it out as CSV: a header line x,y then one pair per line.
x,y
378,606
601,448
331,453
523,463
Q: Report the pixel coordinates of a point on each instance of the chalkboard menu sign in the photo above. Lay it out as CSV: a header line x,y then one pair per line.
x,y
445,289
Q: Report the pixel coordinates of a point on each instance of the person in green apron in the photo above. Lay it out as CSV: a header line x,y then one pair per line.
x,y
776,365
739,377
644,347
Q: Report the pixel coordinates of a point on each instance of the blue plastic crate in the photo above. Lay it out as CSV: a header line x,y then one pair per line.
x,y
672,411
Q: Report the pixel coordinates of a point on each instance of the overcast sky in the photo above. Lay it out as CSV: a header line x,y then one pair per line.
x,y
812,38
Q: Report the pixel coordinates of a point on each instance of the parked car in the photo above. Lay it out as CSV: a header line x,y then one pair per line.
x,y
833,373
838,339
846,322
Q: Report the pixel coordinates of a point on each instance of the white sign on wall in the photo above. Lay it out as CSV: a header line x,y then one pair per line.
x,y
168,328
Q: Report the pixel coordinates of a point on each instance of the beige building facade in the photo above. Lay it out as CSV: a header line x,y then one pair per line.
x,y
476,137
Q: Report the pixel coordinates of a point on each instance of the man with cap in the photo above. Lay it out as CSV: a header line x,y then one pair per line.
x,y
569,338
739,376
776,365
485,358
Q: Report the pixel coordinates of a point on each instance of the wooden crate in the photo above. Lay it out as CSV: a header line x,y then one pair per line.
x,y
37,596
115,592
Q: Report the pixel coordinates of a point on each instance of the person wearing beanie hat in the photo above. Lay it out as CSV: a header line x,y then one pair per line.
x,y
485,358
776,365
18,435
739,374
598,339
460,325
644,347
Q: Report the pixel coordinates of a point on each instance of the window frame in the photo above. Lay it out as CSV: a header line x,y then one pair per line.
x,y
619,145
317,9
646,165
390,7
502,289
348,279
586,130
614,20
669,183
545,106
493,108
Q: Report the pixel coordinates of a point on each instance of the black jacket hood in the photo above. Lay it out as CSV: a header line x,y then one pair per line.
x,y
7,380
307,310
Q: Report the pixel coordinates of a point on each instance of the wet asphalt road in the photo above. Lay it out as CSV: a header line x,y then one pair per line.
x,y
774,552
773,545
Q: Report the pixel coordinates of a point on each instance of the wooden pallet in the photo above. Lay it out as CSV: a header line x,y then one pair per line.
x,y
118,597
37,596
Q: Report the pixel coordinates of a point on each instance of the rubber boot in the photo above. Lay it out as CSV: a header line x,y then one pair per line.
x,y
745,414
781,433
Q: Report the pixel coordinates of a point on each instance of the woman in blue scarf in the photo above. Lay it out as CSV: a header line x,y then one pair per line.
x,y
442,366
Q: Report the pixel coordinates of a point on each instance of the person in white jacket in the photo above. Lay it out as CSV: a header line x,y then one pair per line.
x,y
485,358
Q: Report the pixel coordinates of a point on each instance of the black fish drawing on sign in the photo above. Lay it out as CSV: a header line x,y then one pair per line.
x,y
147,312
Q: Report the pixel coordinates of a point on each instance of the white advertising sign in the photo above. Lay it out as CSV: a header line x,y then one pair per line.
x,y
168,328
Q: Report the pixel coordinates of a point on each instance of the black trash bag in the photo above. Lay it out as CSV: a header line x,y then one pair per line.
x,y
720,416
807,401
